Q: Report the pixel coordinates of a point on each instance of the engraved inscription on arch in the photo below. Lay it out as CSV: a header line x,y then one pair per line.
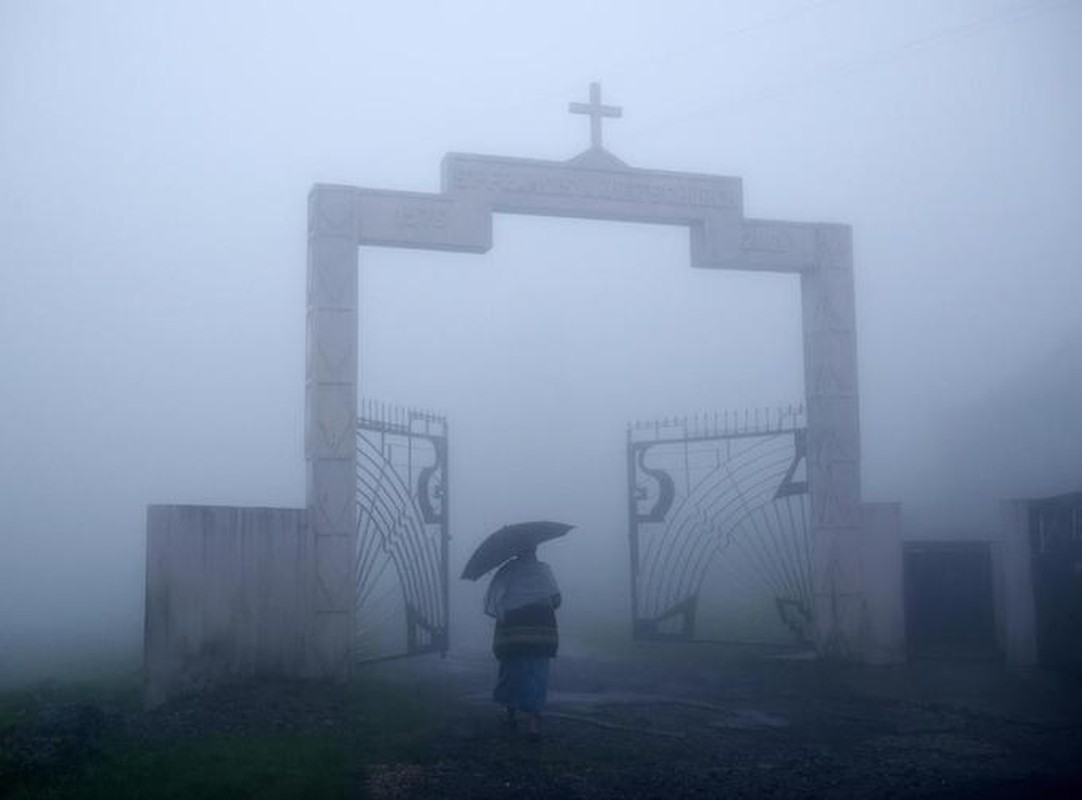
x,y
558,189
596,185
759,237
776,246
430,221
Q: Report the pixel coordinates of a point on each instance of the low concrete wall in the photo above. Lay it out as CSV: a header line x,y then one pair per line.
x,y
226,596
883,635
1015,606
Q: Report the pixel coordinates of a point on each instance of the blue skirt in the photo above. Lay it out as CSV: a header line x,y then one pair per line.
x,y
523,684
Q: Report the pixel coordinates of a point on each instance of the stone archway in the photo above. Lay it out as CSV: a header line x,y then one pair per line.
x,y
595,185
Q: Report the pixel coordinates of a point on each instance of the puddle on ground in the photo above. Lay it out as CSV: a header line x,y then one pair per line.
x,y
749,719
732,718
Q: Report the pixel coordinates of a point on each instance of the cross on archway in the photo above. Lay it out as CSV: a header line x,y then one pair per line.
x,y
595,111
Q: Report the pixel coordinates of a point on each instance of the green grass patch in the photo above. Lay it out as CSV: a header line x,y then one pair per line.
x,y
282,766
395,721
8,718
376,720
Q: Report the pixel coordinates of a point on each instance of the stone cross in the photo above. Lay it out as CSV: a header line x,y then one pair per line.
x,y
595,111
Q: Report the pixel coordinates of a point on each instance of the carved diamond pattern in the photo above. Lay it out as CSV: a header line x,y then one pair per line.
x,y
334,503
333,210
828,300
332,346
832,364
331,421
332,273
838,587
835,495
827,447
836,560
334,573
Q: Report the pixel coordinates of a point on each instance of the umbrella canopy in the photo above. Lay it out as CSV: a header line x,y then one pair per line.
x,y
508,542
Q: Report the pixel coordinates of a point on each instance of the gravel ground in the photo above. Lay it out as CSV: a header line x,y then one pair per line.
x,y
710,724
672,722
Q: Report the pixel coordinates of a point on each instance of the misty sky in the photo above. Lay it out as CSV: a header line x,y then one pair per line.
x,y
154,164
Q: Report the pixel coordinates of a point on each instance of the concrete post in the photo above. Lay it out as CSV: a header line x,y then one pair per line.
x,y
1019,629
882,639
331,427
833,460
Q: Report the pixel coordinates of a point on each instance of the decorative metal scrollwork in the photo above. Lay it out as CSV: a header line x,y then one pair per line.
x,y
730,488
402,558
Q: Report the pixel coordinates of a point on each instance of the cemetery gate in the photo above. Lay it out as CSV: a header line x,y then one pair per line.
x,y
722,487
595,184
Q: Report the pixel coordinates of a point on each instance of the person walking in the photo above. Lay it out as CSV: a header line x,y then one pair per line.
x,y
523,597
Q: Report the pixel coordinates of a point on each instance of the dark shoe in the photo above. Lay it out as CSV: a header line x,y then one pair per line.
x,y
510,722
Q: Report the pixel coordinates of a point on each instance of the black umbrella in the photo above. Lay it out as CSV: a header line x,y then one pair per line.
x,y
508,542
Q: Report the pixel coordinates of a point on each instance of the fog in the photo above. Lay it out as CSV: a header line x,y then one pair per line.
x,y
155,161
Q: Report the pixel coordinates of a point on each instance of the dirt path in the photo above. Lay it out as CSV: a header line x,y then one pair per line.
x,y
712,724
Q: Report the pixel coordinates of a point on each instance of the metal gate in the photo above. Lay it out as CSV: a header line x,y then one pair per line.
x,y
402,541
707,490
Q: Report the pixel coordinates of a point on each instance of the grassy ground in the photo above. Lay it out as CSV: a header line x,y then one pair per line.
x,y
265,741
247,765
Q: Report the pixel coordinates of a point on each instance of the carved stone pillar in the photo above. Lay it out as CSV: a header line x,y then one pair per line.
x,y
830,378
331,427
